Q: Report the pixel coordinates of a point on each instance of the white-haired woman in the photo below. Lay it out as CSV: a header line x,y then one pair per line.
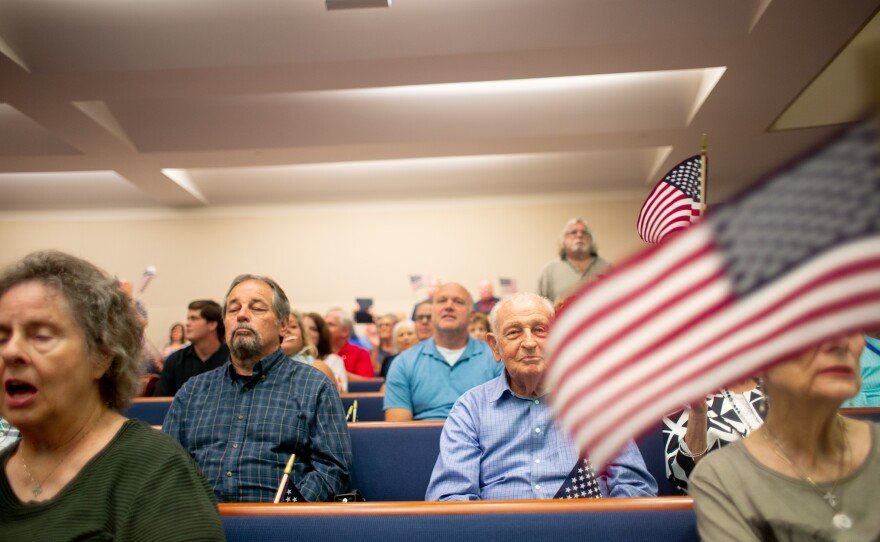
x,y
403,337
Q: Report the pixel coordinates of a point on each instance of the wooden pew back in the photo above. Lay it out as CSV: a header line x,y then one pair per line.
x,y
611,520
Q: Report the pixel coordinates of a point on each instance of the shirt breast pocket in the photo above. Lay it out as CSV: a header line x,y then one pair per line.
x,y
284,424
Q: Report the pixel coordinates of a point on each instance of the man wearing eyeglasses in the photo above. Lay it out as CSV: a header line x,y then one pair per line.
x,y
501,441
578,262
422,317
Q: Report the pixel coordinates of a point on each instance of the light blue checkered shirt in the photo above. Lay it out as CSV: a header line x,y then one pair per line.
x,y
497,445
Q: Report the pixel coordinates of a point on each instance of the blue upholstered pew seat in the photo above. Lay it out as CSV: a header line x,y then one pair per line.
x,y
369,405
394,461
869,414
669,519
150,410
362,386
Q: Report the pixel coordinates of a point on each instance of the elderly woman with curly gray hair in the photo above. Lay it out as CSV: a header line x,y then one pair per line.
x,y
70,345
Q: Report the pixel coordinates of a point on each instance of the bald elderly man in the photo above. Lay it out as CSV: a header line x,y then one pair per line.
x,y
501,441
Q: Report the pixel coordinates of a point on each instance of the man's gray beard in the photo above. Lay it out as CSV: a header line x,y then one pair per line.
x,y
247,348
579,253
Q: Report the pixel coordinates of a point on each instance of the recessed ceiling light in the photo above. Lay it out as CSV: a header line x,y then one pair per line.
x,y
356,4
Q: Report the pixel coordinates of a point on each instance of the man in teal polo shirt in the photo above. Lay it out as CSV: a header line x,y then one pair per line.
x,y
426,380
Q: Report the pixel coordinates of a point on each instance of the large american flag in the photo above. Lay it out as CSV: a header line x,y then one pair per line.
x,y
673,204
791,263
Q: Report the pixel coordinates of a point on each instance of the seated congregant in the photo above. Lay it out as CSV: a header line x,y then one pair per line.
x,y
176,340
501,440
425,381
70,343
316,328
807,473
487,298
723,417
403,337
206,351
242,421
422,317
357,360
479,327
383,341
297,345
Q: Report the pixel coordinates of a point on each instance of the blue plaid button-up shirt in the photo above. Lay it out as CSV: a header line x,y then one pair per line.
x,y
242,430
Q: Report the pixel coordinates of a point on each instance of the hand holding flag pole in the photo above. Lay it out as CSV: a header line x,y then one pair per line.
x,y
287,470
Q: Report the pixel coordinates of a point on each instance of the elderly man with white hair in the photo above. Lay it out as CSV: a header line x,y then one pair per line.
x,y
501,442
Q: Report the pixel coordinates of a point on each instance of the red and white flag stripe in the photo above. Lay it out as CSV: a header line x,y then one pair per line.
x,y
667,328
666,210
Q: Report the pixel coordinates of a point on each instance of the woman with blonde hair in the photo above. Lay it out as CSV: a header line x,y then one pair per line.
x,y
297,345
807,473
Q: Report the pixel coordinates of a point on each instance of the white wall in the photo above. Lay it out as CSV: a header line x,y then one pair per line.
x,y
325,256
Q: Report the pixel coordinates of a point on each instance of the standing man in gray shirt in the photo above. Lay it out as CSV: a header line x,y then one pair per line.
x,y
578,262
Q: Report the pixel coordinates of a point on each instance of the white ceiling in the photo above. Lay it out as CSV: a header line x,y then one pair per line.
x,y
123,104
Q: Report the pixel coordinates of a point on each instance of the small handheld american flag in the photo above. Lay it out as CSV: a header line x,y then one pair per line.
x,y
674,203
287,491
580,483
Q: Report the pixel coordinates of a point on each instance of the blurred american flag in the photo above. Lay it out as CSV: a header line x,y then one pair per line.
x,y
791,263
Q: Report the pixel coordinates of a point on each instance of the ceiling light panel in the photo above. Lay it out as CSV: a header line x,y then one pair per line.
x,y
559,106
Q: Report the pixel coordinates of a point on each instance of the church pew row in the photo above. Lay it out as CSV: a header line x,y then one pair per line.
x,y
665,518
394,461
363,386
152,410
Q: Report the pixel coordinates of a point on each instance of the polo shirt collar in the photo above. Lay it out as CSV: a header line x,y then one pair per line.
x,y
469,350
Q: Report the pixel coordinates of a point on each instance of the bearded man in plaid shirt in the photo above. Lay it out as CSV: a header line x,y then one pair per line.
x,y
242,421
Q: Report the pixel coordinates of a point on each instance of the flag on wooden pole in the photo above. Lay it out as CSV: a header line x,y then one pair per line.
x,y
791,263
676,201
